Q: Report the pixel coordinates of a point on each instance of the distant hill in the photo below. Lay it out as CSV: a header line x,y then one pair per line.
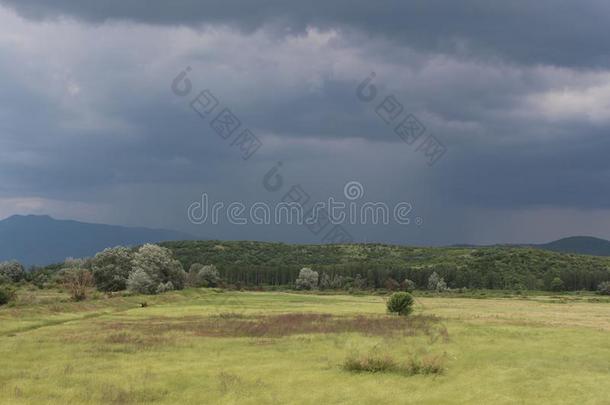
x,y
585,245
581,245
41,240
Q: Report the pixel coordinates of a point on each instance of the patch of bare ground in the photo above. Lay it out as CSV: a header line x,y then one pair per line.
x,y
275,326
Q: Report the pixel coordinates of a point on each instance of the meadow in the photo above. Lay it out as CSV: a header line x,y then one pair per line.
x,y
208,346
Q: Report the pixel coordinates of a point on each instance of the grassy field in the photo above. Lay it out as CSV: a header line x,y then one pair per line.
x,y
203,346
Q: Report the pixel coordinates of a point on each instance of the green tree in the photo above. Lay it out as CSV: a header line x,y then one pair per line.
x,y
12,271
77,282
557,284
160,266
307,280
204,276
408,285
111,268
140,282
400,303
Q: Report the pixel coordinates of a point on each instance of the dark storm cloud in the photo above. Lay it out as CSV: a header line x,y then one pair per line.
x,y
567,33
517,91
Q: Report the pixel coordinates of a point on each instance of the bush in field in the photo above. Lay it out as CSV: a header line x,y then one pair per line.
x,y
400,303
408,285
6,295
307,280
556,284
436,283
111,268
140,282
370,364
383,363
604,288
11,271
77,282
203,276
160,266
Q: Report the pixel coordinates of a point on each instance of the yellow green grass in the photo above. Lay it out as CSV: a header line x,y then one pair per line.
x,y
498,351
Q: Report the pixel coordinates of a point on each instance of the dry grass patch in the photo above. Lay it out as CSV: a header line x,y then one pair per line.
x,y
275,326
139,342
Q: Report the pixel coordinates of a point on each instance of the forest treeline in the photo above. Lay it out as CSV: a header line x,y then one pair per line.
x,y
372,265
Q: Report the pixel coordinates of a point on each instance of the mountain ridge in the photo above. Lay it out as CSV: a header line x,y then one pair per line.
x,y
43,240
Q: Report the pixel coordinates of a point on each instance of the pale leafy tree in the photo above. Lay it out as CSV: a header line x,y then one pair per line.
x,y
208,276
140,282
604,288
75,263
160,266
164,287
307,279
436,283
11,271
111,268
338,282
77,282
408,285
325,281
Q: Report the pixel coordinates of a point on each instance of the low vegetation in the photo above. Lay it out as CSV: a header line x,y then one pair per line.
x,y
202,345
385,363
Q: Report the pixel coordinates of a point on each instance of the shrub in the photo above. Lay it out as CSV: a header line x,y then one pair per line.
x,y
12,271
604,288
140,282
111,268
6,295
371,364
307,280
427,365
77,282
557,284
400,303
378,363
41,279
408,285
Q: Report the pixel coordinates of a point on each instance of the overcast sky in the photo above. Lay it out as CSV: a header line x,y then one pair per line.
x,y
517,93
